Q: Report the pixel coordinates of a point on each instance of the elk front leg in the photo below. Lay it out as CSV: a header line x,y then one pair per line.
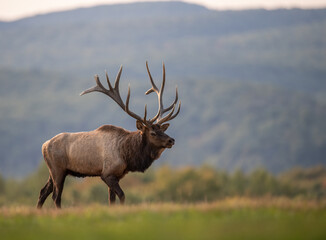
x,y
113,184
111,197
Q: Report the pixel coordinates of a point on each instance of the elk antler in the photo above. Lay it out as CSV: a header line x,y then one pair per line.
x,y
161,110
113,92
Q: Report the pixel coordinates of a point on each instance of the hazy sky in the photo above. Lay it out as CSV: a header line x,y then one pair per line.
x,y
14,9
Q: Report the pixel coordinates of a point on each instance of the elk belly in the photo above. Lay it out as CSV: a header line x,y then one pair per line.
x,y
84,155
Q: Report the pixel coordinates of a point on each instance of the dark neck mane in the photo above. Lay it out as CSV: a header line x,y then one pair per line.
x,y
138,153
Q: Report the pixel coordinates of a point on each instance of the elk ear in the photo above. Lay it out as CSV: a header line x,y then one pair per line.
x,y
164,127
140,126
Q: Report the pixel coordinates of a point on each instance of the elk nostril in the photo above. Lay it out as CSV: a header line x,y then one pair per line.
x,y
171,140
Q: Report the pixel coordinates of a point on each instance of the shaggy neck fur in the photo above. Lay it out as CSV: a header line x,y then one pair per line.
x,y
138,153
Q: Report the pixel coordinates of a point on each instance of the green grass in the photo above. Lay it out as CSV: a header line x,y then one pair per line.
x,y
228,219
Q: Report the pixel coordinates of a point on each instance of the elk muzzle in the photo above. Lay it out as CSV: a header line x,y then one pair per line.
x,y
170,143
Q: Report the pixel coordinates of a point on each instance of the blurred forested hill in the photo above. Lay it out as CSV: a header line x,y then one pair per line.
x,y
252,83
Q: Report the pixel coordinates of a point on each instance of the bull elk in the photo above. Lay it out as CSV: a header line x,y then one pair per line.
x,y
109,151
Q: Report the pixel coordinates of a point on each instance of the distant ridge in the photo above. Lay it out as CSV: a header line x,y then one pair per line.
x,y
172,10
163,8
117,11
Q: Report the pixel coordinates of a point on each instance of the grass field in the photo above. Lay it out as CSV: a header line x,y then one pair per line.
x,y
226,219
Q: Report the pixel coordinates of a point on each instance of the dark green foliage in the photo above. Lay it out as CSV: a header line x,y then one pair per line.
x,y
98,193
207,184
191,184
312,180
261,182
239,183
2,186
165,184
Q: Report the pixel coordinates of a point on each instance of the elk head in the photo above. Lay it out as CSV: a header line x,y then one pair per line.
x,y
152,128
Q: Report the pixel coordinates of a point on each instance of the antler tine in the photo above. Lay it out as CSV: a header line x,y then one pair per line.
x,y
170,116
116,91
174,102
107,79
98,88
163,82
154,88
167,116
133,114
117,79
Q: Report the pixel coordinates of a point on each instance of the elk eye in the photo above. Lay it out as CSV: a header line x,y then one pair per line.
x,y
153,134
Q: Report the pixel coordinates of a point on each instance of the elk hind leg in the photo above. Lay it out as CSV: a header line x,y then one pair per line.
x,y
58,180
45,192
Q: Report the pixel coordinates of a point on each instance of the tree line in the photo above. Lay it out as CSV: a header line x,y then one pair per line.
x,y
167,184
